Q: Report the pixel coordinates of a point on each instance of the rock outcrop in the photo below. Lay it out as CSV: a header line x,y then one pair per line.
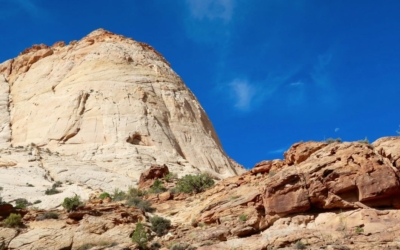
x,y
321,196
101,110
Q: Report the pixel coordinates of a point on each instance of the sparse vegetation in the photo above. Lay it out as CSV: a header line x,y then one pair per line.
x,y
104,195
299,245
182,246
37,201
118,195
170,177
71,204
359,230
271,173
155,246
234,197
47,215
157,187
13,220
139,203
135,192
365,141
21,203
140,236
53,189
87,246
243,217
160,225
331,140
194,183
29,185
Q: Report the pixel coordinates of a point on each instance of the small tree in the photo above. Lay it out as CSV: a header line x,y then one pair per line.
x,y
140,236
194,183
160,225
71,204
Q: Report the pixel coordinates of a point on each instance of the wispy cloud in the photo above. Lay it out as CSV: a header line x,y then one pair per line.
x,y
15,7
322,79
211,9
209,21
243,94
277,151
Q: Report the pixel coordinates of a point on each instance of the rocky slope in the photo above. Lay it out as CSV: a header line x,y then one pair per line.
x,y
96,113
321,196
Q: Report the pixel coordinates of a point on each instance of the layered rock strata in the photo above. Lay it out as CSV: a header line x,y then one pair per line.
x,y
103,109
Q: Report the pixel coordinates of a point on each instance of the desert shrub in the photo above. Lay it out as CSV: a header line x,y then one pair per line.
x,y
57,184
21,203
104,195
71,204
29,185
139,203
160,225
86,246
47,215
173,190
194,183
37,201
170,177
118,195
359,230
182,246
52,190
299,245
157,187
135,192
243,217
13,220
140,236
331,140
155,246
365,141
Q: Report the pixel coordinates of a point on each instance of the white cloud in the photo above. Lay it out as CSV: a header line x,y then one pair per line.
x,y
277,151
211,9
337,129
243,94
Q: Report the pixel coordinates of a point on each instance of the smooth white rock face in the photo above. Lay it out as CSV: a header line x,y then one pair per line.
x,y
101,111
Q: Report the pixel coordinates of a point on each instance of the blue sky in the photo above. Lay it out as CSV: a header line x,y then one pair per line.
x,y
268,73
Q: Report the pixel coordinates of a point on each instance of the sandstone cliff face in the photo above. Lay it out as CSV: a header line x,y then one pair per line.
x,y
103,109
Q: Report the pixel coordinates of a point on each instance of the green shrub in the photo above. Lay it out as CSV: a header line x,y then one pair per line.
x,y
51,191
104,195
71,204
29,185
160,225
14,220
170,177
243,217
194,183
118,195
140,236
47,215
139,203
37,201
21,203
57,184
299,245
157,187
331,140
134,192
359,230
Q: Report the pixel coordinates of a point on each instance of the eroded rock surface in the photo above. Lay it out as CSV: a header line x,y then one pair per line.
x,y
97,113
